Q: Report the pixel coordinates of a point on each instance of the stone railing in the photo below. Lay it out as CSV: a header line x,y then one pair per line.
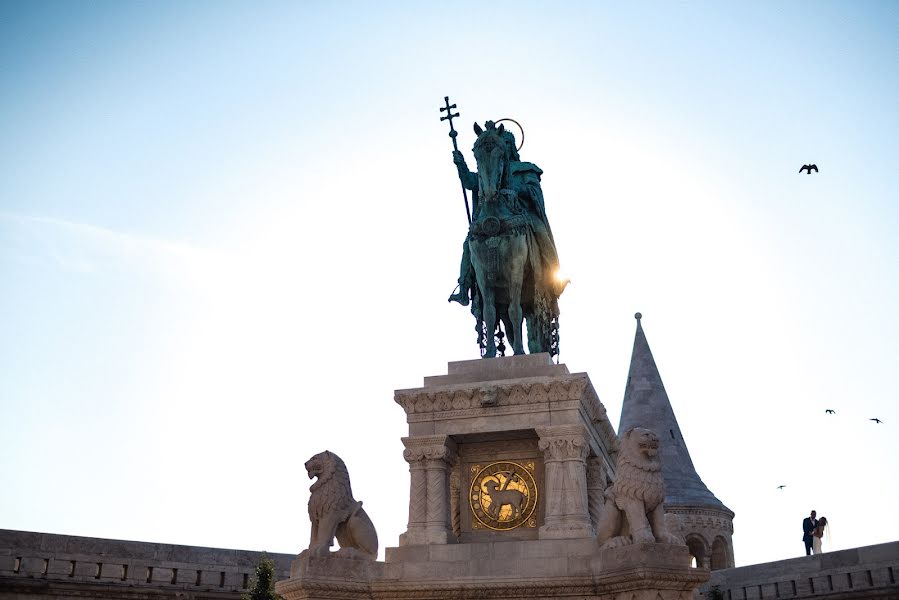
x,y
59,565
866,572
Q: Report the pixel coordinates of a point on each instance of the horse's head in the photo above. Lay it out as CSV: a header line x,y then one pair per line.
x,y
491,151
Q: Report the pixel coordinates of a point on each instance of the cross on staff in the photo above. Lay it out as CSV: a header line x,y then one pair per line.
x,y
453,133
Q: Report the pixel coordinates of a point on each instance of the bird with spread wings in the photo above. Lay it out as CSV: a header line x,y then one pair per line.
x,y
808,169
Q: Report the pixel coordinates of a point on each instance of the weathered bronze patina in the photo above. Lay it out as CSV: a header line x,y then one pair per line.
x,y
510,268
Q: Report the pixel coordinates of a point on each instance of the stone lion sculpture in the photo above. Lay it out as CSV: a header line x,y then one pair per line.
x,y
634,511
334,512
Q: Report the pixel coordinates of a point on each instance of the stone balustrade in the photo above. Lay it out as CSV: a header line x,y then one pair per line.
x,y
46,564
866,572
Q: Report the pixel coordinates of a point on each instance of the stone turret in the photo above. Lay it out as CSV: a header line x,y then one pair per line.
x,y
705,523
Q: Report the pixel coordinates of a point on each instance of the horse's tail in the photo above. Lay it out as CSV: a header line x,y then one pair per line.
x,y
543,325
543,318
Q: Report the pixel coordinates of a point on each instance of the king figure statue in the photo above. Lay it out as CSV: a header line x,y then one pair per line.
x,y
510,269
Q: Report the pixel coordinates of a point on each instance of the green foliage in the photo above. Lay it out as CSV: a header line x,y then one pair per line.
x,y
715,594
262,586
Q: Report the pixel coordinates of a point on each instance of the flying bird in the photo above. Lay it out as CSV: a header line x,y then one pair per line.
x,y
780,487
830,412
808,169
876,420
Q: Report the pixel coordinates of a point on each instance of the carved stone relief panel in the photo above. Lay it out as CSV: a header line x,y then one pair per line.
x,y
500,489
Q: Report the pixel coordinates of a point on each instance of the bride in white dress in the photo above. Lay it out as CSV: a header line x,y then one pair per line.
x,y
818,533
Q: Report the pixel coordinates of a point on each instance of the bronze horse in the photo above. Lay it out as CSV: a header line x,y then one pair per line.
x,y
498,242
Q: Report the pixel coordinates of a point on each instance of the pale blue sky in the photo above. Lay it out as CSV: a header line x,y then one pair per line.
x,y
227,232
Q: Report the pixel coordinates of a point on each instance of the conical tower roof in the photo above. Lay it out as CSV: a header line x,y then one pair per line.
x,y
646,405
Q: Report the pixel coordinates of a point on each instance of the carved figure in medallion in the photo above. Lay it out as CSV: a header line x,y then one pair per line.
x,y
503,495
634,510
335,513
514,499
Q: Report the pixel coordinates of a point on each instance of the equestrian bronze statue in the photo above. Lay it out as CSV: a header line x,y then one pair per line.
x,y
510,269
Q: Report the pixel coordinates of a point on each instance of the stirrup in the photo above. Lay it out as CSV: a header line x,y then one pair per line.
x,y
461,297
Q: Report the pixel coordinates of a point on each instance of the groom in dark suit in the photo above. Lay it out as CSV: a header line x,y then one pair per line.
x,y
808,526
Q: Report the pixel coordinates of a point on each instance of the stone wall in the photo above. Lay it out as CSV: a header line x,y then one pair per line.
x,y
41,566
866,572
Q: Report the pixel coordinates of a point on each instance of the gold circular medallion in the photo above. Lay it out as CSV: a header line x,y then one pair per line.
x,y
503,496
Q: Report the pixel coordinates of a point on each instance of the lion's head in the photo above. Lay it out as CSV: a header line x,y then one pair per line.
x,y
641,446
639,472
317,465
332,488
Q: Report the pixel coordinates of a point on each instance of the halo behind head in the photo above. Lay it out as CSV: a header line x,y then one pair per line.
x,y
520,128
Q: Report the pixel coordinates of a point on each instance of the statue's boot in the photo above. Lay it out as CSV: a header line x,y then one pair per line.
x,y
461,297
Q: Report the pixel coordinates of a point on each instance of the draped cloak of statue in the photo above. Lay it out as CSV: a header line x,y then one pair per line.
x,y
525,181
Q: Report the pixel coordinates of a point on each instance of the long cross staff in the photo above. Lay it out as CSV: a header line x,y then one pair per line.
x,y
453,133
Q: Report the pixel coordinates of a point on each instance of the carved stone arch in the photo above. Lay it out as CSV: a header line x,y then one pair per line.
x,y
699,549
720,557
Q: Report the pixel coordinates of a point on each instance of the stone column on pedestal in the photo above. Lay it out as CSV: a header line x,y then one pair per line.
x,y
596,487
417,508
455,504
430,459
565,450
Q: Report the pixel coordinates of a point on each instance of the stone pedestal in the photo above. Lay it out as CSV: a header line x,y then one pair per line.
x,y
648,572
520,413
516,570
508,459
328,578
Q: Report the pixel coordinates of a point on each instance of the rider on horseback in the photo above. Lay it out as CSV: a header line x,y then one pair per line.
x,y
525,182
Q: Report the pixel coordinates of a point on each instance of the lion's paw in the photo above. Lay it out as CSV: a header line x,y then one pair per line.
x,y
320,551
643,536
617,542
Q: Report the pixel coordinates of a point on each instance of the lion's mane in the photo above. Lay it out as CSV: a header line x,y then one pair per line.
x,y
639,476
331,492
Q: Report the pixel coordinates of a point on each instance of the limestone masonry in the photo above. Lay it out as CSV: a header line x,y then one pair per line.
x,y
26,573
519,487
40,566
509,463
704,522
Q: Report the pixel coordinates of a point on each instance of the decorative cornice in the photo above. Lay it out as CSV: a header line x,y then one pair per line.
x,y
641,578
601,586
696,518
520,395
308,587
479,590
686,509
522,392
